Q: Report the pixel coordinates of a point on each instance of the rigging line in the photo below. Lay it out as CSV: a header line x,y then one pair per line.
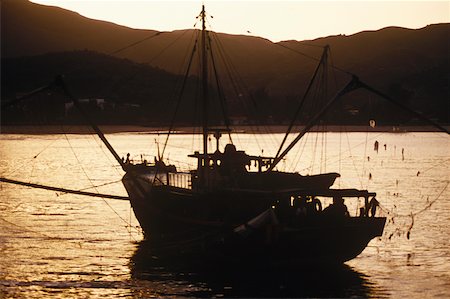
x,y
113,164
59,81
196,114
26,229
324,95
323,152
231,70
323,137
64,190
340,155
193,41
403,106
46,147
334,70
180,96
89,179
148,62
32,170
299,154
136,43
349,87
313,58
355,146
12,170
195,124
121,49
26,96
394,214
436,165
365,157
311,45
96,186
302,101
229,67
241,88
314,151
353,162
237,84
432,202
4,105
99,144
298,52
220,92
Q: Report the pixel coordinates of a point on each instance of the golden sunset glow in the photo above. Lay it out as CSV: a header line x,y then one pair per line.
x,y
275,20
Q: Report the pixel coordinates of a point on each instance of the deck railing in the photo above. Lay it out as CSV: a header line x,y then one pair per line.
x,y
179,180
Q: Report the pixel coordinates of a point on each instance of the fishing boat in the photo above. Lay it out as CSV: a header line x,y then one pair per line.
x,y
224,209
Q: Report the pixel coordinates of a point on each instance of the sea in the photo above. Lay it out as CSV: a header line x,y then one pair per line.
x,y
60,245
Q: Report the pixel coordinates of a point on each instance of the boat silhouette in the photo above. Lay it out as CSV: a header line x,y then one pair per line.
x,y
225,210
221,210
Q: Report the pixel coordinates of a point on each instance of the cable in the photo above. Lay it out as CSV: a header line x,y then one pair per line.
x,y
135,43
93,186
313,58
412,215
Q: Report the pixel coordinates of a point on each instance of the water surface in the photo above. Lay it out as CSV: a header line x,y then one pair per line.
x,y
63,245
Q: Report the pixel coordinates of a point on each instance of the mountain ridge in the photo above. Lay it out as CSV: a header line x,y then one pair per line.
x,y
410,63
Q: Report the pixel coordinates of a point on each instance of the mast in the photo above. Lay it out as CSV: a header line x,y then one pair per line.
x,y
322,62
205,100
352,85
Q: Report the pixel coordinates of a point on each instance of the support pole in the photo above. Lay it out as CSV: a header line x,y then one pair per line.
x,y
64,190
59,81
404,107
352,85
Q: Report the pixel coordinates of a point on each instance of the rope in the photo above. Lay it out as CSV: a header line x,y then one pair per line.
x,y
93,186
442,164
300,152
23,228
412,215
46,147
64,190
135,43
313,58
101,185
172,122
353,161
100,145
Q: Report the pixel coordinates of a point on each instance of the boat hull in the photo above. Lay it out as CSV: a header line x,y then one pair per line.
x,y
313,245
191,225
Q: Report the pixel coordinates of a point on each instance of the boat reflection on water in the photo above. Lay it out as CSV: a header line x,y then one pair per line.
x,y
172,276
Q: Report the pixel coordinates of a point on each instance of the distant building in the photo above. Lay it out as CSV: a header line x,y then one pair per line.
x,y
103,111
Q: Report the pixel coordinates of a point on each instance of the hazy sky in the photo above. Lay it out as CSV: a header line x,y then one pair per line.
x,y
275,20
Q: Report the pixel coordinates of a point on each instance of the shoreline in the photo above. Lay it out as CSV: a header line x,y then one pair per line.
x,y
242,129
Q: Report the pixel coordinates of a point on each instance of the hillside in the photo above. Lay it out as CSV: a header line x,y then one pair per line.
x,y
32,29
133,93
412,65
